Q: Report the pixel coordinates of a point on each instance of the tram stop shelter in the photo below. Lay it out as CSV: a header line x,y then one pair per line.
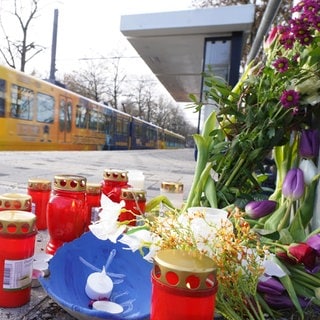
x,y
179,46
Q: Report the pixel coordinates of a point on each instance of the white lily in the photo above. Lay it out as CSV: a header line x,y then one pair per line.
x,y
108,227
139,239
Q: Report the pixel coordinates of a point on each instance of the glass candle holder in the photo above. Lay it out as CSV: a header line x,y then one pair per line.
x,y
184,286
113,181
17,238
40,190
136,179
15,201
67,211
93,201
135,205
173,191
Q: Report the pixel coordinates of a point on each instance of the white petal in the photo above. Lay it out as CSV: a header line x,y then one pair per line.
x,y
115,235
309,170
152,252
105,230
132,242
99,231
272,268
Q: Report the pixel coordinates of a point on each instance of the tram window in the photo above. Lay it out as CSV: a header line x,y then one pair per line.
x,y
125,123
122,127
82,116
93,120
45,108
108,124
151,134
101,122
2,95
119,126
65,115
21,102
138,131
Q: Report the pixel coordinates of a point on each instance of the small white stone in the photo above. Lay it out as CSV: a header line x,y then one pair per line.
x,y
107,306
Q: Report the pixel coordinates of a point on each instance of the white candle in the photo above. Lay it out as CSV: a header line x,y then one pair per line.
x,y
99,285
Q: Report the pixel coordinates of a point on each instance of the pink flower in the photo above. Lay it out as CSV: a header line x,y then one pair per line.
x,y
290,98
281,64
271,38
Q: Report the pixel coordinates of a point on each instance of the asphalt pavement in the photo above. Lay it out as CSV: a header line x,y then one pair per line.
x,y
17,167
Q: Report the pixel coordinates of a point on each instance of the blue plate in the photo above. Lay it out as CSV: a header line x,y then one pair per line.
x,y
74,261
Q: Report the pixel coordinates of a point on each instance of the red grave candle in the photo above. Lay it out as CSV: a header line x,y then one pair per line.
x,y
67,211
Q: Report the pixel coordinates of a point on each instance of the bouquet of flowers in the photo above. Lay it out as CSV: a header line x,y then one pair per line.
x,y
266,251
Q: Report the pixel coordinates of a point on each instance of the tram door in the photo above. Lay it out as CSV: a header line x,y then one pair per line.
x,y
65,108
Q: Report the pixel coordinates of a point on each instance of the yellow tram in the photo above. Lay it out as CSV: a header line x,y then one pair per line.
x,y
38,115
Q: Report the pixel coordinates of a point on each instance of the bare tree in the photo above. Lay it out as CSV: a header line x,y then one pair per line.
x,y
115,82
142,96
20,49
97,81
90,81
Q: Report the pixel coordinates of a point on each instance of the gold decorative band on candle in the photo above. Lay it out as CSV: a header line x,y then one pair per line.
x,y
69,183
93,188
172,187
184,269
16,222
184,286
15,201
115,175
173,191
38,184
133,194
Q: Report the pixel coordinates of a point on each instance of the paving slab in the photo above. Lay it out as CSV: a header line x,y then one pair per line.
x,y
17,167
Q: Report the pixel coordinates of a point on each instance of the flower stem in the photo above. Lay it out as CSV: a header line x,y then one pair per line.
x,y
286,216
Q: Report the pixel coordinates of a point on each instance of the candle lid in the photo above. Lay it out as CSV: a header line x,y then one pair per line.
x,y
173,187
15,201
15,222
133,194
115,175
69,183
93,188
184,269
39,184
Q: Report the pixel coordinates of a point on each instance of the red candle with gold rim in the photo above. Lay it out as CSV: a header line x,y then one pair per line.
x,y
184,286
17,238
113,181
66,211
40,190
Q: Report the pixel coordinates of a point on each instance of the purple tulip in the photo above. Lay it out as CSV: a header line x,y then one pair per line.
x,y
258,209
314,242
283,301
293,184
270,285
309,143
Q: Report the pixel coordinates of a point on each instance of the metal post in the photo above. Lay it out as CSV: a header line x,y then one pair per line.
x,y
54,47
267,19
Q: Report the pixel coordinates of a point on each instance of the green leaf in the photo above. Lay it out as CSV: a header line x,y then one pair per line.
x,y
211,193
296,228
307,207
274,219
285,236
287,283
